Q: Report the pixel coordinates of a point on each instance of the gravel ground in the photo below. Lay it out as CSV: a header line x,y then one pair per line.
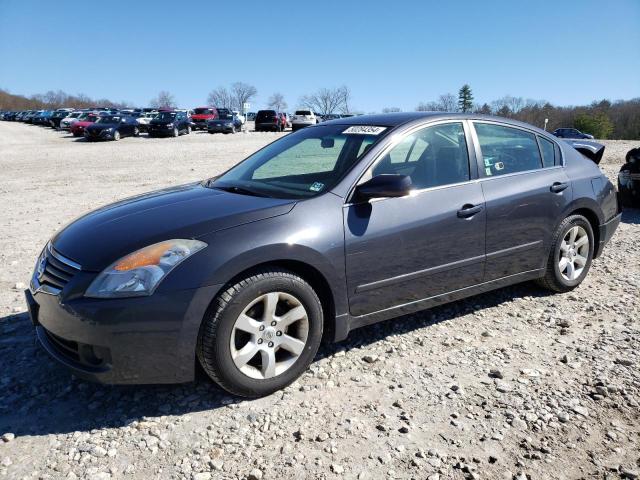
x,y
516,383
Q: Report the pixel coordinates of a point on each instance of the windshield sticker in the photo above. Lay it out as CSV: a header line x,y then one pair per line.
x,y
365,130
316,186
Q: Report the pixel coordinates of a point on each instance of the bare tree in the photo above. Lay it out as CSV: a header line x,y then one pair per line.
x,y
391,110
220,97
163,100
345,96
242,93
448,102
328,100
277,102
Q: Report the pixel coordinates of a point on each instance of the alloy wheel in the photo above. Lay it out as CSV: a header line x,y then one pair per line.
x,y
269,335
574,253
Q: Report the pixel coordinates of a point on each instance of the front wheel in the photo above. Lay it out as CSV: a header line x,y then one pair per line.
x,y
188,129
570,256
176,132
261,334
136,132
116,135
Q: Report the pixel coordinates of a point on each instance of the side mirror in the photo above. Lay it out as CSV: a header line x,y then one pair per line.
x,y
384,186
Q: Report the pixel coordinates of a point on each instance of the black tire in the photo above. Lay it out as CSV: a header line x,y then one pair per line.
x,y
175,132
188,129
214,351
136,132
553,279
116,136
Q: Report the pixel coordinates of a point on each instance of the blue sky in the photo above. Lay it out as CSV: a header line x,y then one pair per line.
x,y
394,53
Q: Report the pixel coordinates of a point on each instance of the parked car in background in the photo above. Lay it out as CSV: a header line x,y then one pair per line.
x,y
29,118
268,121
169,123
201,116
251,116
629,179
58,115
112,127
285,119
240,116
303,118
144,119
571,133
84,121
66,122
227,122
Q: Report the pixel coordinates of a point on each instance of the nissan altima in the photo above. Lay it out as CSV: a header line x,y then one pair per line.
x,y
334,227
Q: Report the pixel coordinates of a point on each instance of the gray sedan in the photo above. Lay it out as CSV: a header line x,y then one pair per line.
x,y
337,226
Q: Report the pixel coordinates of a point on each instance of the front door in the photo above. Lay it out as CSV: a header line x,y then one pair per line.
x,y
402,250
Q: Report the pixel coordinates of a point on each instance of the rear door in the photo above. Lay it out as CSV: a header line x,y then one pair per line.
x,y
525,197
402,250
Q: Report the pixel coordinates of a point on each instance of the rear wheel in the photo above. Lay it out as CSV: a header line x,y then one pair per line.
x,y
262,333
570,256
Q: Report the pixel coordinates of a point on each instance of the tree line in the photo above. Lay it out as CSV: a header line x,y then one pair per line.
x,y
603,119
618,119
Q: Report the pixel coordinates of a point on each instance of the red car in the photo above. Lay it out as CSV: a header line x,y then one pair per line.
x,y
77,128
201,116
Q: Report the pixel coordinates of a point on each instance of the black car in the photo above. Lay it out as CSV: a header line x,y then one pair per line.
x,y
629,179
57,117
226,122
169,124
571,133
334,227
112,127
268,121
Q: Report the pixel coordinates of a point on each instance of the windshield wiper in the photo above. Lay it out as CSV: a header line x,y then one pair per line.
x,y
239,190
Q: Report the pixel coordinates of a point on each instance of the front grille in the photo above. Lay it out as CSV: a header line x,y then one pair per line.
x,y
58,270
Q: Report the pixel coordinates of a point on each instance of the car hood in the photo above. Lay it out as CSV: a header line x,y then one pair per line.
x,y
101,237
83,123
102,126
202,116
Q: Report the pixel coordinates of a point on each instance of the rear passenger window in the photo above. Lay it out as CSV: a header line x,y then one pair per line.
x,y
507,150
548,152
432,157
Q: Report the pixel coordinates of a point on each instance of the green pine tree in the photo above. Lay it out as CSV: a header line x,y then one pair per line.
x,y
465,98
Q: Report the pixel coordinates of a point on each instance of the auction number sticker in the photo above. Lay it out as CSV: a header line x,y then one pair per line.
x,y
365,130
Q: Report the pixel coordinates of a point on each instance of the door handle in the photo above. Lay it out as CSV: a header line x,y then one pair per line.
x,y
558,187
469,210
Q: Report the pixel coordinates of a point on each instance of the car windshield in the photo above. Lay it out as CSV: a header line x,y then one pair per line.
x,y
202,111
108,119
226,116
166,116
300,165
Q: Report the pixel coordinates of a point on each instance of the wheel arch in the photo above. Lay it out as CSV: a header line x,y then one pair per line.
x,y
594,221
312,275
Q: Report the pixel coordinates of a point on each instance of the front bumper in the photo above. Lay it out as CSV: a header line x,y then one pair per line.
x,y
218,127
606,231
159,130
138,340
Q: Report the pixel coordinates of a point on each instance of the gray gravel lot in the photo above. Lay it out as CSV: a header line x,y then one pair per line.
x,y
515,383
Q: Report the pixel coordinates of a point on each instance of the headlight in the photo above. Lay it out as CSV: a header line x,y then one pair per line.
x,y
169,125
139,273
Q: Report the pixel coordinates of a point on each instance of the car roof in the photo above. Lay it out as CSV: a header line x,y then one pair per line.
x,y
397,119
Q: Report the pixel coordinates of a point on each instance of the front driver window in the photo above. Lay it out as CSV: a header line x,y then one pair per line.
x,y
432,157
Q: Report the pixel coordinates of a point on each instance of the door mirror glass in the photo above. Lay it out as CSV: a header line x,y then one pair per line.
x,y
385,186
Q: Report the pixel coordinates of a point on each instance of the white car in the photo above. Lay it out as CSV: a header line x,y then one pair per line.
x,y
65,123
239,115
303,118
144,119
